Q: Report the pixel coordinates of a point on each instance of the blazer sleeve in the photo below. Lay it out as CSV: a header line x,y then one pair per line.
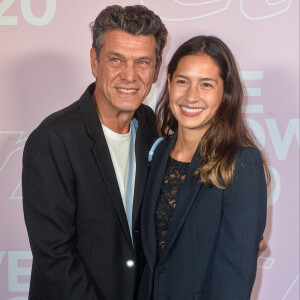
x,y
49,203
242,227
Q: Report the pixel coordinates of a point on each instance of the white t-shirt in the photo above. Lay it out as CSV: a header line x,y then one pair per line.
x,y
119,146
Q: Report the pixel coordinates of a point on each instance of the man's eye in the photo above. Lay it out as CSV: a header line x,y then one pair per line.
x,y
117,60
142,62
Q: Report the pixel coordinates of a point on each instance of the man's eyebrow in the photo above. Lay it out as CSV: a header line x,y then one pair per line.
x,y
117,54
112,53
145,58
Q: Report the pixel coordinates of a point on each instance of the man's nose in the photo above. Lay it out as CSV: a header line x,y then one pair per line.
x,y
129,72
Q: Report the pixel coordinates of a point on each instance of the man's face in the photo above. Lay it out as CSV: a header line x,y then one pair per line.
x,y
124,73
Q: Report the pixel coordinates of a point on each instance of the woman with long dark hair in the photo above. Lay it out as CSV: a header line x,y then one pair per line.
x,y
204,209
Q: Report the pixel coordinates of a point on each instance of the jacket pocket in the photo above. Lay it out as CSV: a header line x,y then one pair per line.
x,y
201,296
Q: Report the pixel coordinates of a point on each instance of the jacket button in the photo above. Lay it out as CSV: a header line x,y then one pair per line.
x,y
130,263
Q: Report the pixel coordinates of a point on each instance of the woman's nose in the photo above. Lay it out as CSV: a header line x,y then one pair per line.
x,y
193,93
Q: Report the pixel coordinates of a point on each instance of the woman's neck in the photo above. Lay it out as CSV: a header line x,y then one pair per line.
x,y
186,144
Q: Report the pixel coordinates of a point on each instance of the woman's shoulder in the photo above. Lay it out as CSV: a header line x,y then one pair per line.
x,y
249,153
248,156
160,146
249,171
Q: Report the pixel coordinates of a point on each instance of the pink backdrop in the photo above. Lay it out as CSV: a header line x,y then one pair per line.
x,y
44,55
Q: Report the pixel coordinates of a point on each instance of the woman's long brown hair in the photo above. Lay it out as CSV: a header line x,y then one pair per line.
x,y
228,130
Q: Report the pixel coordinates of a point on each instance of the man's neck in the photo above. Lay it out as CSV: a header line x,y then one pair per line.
x,y
118,125
117,122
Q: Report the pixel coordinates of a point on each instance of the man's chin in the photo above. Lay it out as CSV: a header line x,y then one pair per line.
x,y
130,107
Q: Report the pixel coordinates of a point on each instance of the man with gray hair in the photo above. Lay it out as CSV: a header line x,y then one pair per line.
x,y
85,167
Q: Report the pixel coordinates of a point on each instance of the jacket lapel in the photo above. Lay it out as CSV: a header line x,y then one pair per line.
x,y
102,157
144,137
142,144
188,193
154,182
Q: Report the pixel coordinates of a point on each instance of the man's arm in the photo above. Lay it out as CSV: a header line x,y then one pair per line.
x,y
49,200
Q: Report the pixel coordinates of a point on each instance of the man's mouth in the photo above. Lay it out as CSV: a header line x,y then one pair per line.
x,y
127,91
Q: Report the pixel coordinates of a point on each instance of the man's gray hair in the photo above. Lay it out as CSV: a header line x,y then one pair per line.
x,y
135,20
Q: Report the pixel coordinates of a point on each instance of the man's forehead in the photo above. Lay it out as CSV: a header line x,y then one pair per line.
x,y
116,40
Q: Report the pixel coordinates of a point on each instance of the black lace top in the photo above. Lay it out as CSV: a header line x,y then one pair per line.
x,y
174,176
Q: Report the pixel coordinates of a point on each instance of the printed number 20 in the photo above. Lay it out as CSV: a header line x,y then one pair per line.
x,y
27,13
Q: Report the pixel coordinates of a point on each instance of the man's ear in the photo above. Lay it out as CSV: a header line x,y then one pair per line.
x,y
157,68
94,62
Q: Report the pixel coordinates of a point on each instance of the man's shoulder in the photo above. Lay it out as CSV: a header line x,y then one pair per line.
x,y
147,122
69,118
53,128
146,117
63,118
145,111
67,124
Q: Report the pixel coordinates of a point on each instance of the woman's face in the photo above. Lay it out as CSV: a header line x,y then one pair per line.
x,y
196,91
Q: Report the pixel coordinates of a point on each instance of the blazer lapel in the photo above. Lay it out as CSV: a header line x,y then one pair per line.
x,y
102,157
184,202
105,166
154,182
142,145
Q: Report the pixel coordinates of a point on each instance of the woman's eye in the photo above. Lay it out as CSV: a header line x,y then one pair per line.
x,y
206,84
181,81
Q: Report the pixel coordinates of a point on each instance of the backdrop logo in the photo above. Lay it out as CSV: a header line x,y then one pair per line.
x,y
183,10
12,145
17,272
258,10
6,17
281,145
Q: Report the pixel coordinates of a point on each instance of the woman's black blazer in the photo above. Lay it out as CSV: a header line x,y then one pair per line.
x,y
213,240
